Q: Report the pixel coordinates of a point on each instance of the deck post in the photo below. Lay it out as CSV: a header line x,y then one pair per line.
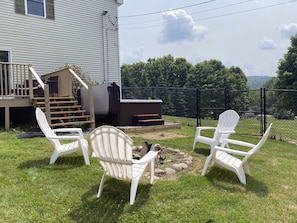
x,y
47,103
30,83
7,118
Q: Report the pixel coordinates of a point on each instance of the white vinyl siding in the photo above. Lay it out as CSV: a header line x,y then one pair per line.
x,y
73,37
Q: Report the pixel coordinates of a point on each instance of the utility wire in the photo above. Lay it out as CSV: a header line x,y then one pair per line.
x,y
202,11
244,11
226,6
158,12
218,16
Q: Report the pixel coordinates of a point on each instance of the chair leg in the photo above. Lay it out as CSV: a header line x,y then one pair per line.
x,y
194,144
85,152
246,168
101,185
208,159
241,176
152,171
54,157
133,190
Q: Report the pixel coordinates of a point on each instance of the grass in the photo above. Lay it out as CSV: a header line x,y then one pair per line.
x,y
31,190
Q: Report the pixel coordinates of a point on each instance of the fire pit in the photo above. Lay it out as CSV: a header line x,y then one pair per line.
x,y
168,162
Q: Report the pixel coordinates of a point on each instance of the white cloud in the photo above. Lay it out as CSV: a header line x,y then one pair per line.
x,y
288,30
132,55
266,44
179,26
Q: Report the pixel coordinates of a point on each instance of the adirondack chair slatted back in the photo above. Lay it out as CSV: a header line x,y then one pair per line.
x,y
45,128
227,122
258,145
114,150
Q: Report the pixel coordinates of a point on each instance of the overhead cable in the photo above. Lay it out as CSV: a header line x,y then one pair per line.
x,y
216,16
158,12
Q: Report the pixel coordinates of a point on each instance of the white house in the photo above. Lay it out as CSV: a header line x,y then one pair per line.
x,y
51,33
40,36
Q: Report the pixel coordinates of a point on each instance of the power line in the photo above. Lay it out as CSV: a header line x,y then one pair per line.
x,y
217,16
244,11
207,10
226,6
158,12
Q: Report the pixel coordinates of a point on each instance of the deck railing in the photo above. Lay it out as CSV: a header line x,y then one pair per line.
x,y
45,87
16,81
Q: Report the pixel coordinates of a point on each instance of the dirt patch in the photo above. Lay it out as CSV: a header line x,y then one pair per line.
x,y
160,135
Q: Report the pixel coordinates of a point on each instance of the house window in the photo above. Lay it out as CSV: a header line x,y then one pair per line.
x,y
43,8
35,7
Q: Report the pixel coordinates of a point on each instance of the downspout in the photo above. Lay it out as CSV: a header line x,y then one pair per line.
x,y
120,74
104,44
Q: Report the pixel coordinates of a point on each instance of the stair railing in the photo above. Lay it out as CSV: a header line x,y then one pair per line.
x,y
63,74
45,88
90,96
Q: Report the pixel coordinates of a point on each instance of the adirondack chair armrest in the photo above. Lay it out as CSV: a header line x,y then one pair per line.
x,y
237,142
230,151
65,137
150,156
200,128
70,130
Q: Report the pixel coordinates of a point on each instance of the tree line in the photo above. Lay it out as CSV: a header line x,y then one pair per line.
x,y
175,81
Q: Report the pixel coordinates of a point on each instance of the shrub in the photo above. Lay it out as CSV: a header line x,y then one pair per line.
x,y
82,74
283,114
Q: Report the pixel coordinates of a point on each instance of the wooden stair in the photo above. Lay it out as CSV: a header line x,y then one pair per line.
x,y
64,112
147,120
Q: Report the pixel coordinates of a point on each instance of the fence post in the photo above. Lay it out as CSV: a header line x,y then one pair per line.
x,y
261,111
198,119
265,112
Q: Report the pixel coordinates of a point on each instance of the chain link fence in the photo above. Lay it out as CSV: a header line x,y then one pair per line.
x,y
257,108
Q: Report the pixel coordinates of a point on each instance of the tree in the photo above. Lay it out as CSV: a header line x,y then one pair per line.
x,y
287,68
287,78
237,82
180,70
134,76
212,78
271,95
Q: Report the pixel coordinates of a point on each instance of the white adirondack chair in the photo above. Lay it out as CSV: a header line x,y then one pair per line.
x,y
226,125
225,156
74,134
113,148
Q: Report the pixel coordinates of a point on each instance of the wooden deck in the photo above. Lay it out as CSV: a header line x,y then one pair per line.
x,y
20,85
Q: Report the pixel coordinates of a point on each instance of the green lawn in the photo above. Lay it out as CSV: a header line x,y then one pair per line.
x,y
31,190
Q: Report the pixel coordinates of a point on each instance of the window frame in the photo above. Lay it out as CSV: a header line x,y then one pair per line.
x,y
44,9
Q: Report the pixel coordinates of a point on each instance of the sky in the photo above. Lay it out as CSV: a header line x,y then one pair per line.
x,y
251,34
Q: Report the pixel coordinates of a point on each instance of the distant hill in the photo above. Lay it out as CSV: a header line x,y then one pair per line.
x,y
256,82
